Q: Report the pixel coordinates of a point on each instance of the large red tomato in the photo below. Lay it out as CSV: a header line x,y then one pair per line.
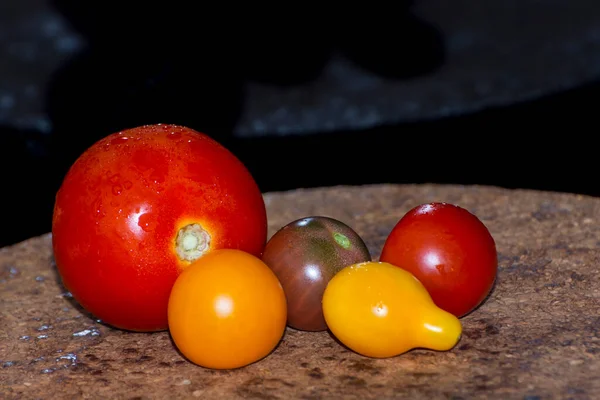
x,y
449,250
139,206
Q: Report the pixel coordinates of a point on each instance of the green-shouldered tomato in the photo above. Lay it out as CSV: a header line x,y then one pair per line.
x,y
305,254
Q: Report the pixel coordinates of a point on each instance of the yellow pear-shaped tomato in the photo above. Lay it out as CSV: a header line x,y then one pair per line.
x,y
379,310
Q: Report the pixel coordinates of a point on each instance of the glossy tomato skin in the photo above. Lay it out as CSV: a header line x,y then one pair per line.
x,y
305,254
227,310
379,310
121,206
449,250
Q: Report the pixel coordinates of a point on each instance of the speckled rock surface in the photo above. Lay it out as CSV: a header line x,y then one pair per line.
x,y
537,336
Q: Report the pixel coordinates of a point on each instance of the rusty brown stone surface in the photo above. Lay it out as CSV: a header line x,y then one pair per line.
x,y
536,337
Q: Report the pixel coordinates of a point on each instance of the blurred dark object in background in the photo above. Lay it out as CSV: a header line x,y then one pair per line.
x,y
167,64
497,93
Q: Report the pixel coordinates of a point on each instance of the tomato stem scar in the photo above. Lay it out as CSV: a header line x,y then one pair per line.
x,y
192,242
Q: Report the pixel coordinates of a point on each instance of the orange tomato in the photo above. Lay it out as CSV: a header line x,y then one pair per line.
x,y
227,310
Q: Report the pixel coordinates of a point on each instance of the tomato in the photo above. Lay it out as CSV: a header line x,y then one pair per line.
x,y
227,310
304,255
138,207
379,310
449,250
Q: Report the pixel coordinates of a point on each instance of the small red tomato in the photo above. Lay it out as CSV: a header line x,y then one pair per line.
x,y
139,206
449,250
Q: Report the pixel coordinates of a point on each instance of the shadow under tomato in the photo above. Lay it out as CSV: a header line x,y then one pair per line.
x,y
413,350
485,300
224,370
176,349
336,340
68,296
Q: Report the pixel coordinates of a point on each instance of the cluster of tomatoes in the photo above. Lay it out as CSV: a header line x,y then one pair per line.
x,y
161,227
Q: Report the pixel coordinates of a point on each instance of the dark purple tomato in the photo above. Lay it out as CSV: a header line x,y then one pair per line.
x,y
305,254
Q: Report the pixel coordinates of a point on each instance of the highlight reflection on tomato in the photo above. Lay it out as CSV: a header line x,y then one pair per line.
x,y
305,254
138,207
379,310
227,310
449,250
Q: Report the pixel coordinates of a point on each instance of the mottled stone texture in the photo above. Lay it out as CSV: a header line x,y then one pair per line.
x,y
537,336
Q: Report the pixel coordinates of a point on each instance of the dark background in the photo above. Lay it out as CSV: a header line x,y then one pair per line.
x,y
501,93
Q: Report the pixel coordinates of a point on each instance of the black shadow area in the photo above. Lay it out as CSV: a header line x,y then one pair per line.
x,y
166,63
543,144
27,184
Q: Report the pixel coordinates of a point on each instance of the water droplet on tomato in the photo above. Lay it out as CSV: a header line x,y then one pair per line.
x,y
114,178
98,206
158,175
119,140
117,189
127,184
174,135
144,159
146,222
